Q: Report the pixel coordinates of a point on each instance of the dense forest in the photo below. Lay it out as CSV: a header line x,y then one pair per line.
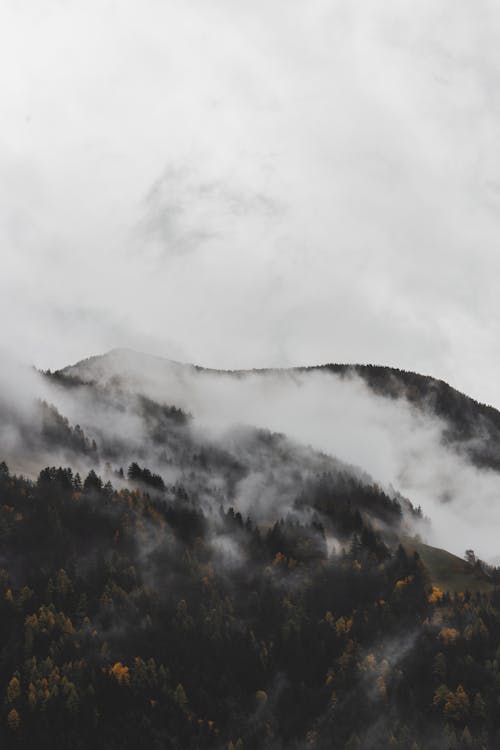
x,y
134,615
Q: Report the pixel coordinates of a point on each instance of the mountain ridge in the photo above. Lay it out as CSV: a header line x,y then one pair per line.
x,y
472,426
343,368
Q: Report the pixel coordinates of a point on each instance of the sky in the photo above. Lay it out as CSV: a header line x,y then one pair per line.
x,y
253,184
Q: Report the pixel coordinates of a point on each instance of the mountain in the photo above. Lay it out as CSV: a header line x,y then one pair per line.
x,y
411,432
175,422
471,427
414,436
193,558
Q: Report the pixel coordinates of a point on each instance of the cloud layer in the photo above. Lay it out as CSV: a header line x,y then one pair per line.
x,y
238,185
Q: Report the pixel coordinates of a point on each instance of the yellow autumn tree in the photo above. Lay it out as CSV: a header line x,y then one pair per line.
x,y
121,673
369,663
448,636
402,583
343,625
441,695
436,595
329,619
32,697
457,706
13,690
13,720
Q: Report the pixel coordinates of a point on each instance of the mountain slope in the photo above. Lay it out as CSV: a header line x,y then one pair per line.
x,y
199,576
415,433
471,426
423,390
450,573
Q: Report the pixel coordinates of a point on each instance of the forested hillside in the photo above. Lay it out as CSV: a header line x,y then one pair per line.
x,y
136,618
172,580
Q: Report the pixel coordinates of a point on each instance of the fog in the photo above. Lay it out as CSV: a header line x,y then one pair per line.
x,y
396,444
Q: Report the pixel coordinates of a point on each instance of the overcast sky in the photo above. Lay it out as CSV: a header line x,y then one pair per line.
x,y
254,183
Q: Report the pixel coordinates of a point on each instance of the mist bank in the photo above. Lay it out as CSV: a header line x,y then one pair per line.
x,y
399,442
167,414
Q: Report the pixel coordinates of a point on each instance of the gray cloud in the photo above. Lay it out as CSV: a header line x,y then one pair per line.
x,y
183,213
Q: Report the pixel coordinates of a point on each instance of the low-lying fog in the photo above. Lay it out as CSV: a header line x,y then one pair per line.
x,y
389,439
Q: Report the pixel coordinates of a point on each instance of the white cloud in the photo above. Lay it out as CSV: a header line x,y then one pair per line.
x,y
369,129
